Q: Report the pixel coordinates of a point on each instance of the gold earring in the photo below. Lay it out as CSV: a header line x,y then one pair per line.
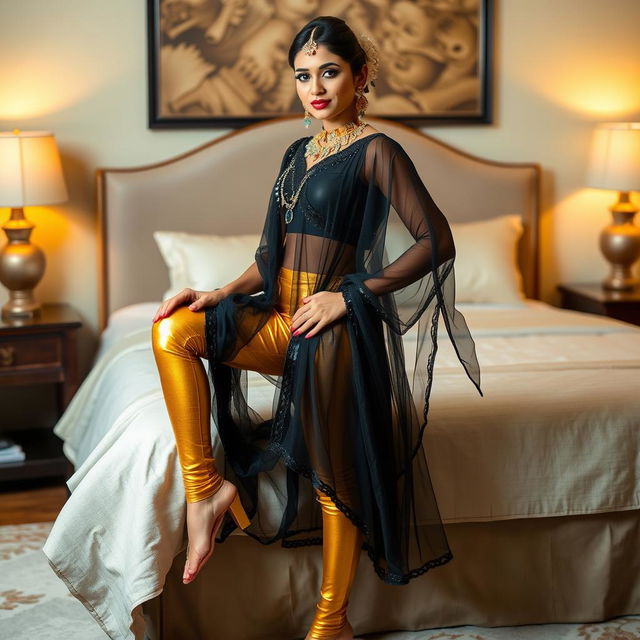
x,y
361,103
307,119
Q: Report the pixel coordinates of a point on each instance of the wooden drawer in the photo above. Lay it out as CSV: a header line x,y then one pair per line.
x,y
38,350
36,355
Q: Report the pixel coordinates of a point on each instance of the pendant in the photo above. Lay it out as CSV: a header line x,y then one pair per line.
x,y
288,216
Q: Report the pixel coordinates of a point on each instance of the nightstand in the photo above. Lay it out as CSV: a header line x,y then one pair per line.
x,y
592,298
40,351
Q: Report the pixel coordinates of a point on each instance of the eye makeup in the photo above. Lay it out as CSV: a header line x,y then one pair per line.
x,y
335,73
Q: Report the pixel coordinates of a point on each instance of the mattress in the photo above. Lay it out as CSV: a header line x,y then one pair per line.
x,y
560,392
555,434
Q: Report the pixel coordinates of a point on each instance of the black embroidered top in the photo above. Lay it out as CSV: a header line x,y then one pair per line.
x,y
345,418
325,189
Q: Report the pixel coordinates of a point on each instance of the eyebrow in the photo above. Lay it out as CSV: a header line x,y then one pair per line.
x,y
322,66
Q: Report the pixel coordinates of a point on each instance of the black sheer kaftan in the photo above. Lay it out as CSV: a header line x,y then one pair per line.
x,y
347,426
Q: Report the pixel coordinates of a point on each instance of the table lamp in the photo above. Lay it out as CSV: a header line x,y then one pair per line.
x,y
614,163
30,174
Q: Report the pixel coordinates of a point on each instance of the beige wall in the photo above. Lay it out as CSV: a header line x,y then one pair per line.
x,y
78,68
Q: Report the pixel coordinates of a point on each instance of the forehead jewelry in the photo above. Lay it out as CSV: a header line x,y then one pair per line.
x,y
311,46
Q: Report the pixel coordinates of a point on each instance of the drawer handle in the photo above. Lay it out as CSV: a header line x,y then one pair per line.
x,y
7,355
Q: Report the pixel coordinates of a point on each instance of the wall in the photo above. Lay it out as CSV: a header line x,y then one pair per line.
x,y
78,68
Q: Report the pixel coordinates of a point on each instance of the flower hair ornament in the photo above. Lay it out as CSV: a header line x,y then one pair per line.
x,y
373,65
373,58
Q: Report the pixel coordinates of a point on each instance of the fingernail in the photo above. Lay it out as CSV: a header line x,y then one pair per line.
x,y
296,332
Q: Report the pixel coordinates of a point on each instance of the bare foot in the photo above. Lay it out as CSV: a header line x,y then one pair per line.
x,y
345,634
204,519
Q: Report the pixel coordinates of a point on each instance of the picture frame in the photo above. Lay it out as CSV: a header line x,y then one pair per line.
x,y
220,65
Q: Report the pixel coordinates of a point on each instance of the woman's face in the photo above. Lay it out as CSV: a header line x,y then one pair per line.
x,y
327,77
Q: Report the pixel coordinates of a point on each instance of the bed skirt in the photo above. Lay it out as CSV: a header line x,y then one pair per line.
x,y
504,572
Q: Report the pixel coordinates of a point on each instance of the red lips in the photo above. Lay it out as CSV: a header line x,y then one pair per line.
x,y
320,104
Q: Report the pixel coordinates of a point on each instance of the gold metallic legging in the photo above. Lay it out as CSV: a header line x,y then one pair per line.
x,y
178,346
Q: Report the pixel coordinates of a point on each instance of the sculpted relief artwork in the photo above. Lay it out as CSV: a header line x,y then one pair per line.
x,y
227,59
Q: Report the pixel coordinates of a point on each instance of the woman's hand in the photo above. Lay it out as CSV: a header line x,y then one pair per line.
x,y
195,299
318,311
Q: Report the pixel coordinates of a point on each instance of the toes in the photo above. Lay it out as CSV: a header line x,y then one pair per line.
x,y
190,570
194,562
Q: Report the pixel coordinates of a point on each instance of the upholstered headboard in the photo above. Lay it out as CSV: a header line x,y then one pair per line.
x,y
205,191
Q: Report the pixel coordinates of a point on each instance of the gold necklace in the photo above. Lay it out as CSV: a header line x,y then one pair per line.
x,y
349,132
326,142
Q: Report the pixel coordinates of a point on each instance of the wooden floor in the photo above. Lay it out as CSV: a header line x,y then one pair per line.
x,y
32,502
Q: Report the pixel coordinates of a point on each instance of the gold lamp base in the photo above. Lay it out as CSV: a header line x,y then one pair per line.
x,y
21,267
620,245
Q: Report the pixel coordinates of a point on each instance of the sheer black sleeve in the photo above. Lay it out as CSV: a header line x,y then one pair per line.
x,y
425,271
394,174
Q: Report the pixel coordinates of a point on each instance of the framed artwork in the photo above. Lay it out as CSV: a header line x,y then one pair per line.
x,y
223,63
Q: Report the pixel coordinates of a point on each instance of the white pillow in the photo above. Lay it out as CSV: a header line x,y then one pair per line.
x,y
486,268
204,262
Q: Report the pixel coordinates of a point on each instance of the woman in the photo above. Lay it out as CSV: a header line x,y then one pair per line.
x,y
317,314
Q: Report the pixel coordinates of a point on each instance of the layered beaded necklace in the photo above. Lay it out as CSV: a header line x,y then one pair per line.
x,y
320,146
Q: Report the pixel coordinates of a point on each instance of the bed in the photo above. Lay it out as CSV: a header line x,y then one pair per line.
x,y
538,482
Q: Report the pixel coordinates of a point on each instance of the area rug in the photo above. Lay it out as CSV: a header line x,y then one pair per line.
x,y
34,603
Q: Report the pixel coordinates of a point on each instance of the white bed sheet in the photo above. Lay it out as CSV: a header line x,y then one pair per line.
x,y
556,433
570,371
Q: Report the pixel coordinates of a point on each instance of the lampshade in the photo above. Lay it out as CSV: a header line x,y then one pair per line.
x,y
614,162
30,169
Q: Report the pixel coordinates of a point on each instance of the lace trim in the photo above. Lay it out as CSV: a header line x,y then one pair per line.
x,y
210,330
427,391
281,419
348,301
387,576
